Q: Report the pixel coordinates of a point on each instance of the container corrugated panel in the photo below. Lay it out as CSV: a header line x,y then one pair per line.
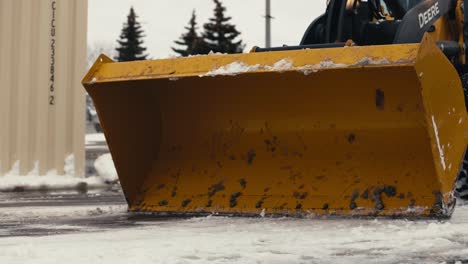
x,y
43,51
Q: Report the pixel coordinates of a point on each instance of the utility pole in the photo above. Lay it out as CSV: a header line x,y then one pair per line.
x,y
268,18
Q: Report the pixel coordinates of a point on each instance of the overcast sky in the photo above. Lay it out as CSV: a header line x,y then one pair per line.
x,y
164,20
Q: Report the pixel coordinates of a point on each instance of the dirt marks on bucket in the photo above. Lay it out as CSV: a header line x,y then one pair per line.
x,y
375,195
215,188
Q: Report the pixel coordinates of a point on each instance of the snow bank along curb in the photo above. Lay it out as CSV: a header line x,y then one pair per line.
x,y
14,182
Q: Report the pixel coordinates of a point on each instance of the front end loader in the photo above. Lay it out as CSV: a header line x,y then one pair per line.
x,y
366,117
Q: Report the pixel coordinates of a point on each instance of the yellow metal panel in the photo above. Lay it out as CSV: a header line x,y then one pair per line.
x,y
445,113
342,131
352,57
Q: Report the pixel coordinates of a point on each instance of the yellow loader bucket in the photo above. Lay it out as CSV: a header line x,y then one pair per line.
x,y
354,131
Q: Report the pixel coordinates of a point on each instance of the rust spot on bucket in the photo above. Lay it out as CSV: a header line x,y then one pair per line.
x,y
437,208
320,177
300,196
243,183
281,207
186,202
376,197
233,200
400,108
365,194
380,99
352,203
390,191
271,144
163,203
216,188
260,203
251,156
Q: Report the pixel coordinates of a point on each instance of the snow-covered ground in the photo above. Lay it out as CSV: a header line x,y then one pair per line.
x,y
97,229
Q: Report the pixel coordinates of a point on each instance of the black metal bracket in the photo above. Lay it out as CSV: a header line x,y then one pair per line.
x,y
465,29
301,47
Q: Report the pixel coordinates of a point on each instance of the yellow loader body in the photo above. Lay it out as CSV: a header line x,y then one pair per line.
x,y
353,131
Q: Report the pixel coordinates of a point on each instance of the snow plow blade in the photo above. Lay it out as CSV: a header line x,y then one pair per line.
x,y
354,131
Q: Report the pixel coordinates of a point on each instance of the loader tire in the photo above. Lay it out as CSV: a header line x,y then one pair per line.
x,y
464,80
461,186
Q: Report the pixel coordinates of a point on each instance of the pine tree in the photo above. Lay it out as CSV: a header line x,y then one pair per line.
x,y
192,42
130,42
219,35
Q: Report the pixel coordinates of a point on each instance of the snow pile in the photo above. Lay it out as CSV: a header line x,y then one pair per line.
x,y
35,170
95,138
33,181
15,169
233,69
325,64
239,67
48,182
283,65
329,64
69,167
105,168
8,214
212,53
369,61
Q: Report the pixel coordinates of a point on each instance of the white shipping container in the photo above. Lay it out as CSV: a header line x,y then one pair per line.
x,y
42,103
